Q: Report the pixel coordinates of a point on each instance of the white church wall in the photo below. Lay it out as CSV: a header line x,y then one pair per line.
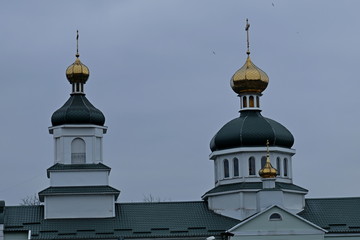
x,y
277,237
266,199
294,202
249,200
16,236
64,135
237,205
79,178
342,237
80,206
285,226
243,155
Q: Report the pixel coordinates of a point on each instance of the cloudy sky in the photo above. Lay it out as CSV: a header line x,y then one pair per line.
x,y
160,73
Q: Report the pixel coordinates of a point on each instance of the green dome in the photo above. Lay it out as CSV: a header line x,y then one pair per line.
x,y
77,110
251,129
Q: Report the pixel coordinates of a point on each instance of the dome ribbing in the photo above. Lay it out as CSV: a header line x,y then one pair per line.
x,y
251,129
77,110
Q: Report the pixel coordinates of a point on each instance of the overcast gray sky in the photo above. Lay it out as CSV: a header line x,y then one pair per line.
x,y
160,70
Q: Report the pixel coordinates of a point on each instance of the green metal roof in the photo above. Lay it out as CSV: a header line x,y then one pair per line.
x,y
252,185
72,167
133,220
336,215
50,191
251,129
77,110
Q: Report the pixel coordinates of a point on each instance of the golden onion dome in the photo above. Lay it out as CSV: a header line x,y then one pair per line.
x,y
268,171
77,72
249,78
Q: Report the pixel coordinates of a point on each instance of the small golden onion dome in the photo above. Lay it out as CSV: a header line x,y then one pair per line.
x,y
268,171
249,78
77,72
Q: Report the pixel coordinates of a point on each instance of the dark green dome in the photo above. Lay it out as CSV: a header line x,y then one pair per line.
x,y
77,110
251,129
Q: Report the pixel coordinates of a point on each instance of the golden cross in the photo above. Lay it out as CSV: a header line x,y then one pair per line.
x,y
247,35
77,43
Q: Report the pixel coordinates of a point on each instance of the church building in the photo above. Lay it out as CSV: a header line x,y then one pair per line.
x,y
254,196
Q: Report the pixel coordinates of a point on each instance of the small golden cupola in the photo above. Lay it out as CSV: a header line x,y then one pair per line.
x,y
249,81
77,73
268,171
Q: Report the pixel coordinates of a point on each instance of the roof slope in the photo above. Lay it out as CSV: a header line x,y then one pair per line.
x,y
252,185
74,167
336,215
81,190
133,220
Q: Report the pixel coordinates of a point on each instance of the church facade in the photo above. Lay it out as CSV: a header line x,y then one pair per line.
x,y
253,197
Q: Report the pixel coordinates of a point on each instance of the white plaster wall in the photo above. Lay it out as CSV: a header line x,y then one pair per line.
x,y
16,236
240,205
268,198
228,201
243,157
65,134
79,178
237,205
98,149
341,237
80,206
282,237
294,202
289,227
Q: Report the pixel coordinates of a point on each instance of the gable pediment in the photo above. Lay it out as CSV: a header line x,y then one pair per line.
x,y
276,221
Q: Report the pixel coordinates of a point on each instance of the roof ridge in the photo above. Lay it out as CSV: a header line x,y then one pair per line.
x,y
71,100
332,198
82,97
23,206
167,202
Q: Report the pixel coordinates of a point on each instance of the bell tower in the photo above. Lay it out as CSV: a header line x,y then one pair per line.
x,y
79,181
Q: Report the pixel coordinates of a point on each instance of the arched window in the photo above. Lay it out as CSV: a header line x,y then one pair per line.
x,y
286,167
251,101
275,217
236,167
78,154
263,161
278,166
226,168
257,101
251,166
244,102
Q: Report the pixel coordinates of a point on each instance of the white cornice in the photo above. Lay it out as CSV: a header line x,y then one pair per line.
x,y
51,129
251,149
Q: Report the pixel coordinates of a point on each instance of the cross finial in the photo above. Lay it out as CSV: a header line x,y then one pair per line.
x,y
267,148
247,36
77,43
